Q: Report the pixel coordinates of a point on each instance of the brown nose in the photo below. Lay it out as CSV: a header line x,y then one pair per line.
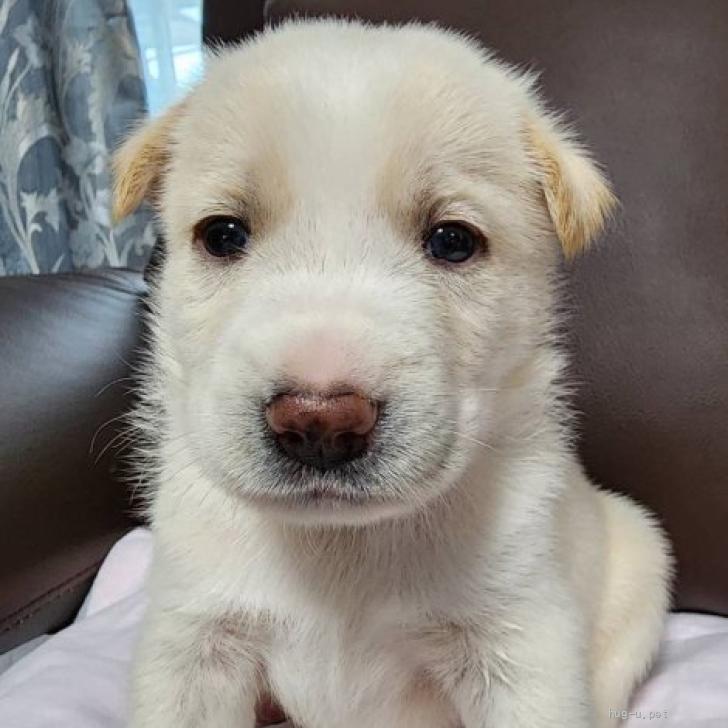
x,y
322,431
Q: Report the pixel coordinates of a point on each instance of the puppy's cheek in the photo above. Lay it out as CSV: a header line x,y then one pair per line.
x,y
216,400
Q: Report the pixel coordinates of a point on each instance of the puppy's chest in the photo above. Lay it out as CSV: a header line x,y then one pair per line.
x,y
372,672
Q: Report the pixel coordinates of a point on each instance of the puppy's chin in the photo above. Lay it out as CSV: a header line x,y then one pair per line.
x,y
318,501
395,479
328,510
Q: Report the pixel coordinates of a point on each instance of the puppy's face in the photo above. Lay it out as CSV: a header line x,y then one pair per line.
x,y
360,229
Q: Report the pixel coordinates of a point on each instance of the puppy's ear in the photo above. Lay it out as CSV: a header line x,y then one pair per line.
x,y
578,196
140,162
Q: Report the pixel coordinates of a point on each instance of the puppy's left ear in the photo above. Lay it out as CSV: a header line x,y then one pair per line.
x,y
578,196
139,164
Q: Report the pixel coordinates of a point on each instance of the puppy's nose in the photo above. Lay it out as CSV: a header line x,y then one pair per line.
x,y
320,430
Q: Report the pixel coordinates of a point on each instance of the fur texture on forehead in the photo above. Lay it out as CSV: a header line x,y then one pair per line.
x,y
303,103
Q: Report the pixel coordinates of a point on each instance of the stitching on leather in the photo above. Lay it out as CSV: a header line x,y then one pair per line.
x,y
56,592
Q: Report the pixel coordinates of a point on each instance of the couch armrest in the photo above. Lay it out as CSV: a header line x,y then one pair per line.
x,y
66,342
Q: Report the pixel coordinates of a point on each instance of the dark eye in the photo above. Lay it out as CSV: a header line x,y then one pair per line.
x,y
222,236
452,242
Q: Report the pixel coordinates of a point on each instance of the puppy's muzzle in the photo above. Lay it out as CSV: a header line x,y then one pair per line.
x,y
323,431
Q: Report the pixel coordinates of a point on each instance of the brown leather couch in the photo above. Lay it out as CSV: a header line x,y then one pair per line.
x,y
645,83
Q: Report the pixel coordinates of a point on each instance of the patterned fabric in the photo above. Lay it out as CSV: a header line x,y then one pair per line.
x,y
70,88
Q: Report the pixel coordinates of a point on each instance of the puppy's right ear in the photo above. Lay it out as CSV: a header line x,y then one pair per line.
x,y
577,194
139,164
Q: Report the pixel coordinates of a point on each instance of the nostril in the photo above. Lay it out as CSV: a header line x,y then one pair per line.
x,y
347,440
293,439
296,445
348,445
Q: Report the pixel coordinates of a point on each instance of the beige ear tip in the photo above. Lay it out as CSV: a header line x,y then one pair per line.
x,y
119,195
122,205
572,249
582,226
606,206
609,201
117,214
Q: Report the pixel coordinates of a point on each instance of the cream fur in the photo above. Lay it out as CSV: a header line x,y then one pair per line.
x,y
467,573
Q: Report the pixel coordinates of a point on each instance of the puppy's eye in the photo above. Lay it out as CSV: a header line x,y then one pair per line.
x,y
452,242
222,237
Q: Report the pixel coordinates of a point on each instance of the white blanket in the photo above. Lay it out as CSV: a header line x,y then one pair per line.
x,y
78,677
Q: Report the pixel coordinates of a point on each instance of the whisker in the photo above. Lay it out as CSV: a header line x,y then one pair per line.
x,y
102,427
128,437
112,383
474,440
470,438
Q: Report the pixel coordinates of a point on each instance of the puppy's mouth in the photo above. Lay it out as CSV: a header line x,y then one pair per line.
x,y
302,492
324,479
382,459
318,496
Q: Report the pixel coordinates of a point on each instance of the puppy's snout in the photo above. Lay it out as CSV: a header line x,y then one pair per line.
x,y
322,430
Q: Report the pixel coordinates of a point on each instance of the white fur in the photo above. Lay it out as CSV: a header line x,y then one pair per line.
x,y
468,575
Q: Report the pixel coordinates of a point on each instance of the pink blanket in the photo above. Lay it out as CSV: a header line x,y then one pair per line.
x,y
78,678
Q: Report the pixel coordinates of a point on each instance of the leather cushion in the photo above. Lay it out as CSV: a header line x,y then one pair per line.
x,y
66,342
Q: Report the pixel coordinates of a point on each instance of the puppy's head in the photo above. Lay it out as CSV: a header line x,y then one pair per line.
x,y
361,227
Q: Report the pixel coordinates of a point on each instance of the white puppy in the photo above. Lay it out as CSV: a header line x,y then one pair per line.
x,y
365,499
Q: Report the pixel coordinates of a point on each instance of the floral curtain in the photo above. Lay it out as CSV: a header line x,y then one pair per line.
x,y
70,88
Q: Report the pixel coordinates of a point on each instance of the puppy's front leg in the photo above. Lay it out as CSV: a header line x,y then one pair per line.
x,y
195,671
532,677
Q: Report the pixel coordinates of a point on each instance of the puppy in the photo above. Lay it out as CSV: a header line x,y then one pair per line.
x,y
363,494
